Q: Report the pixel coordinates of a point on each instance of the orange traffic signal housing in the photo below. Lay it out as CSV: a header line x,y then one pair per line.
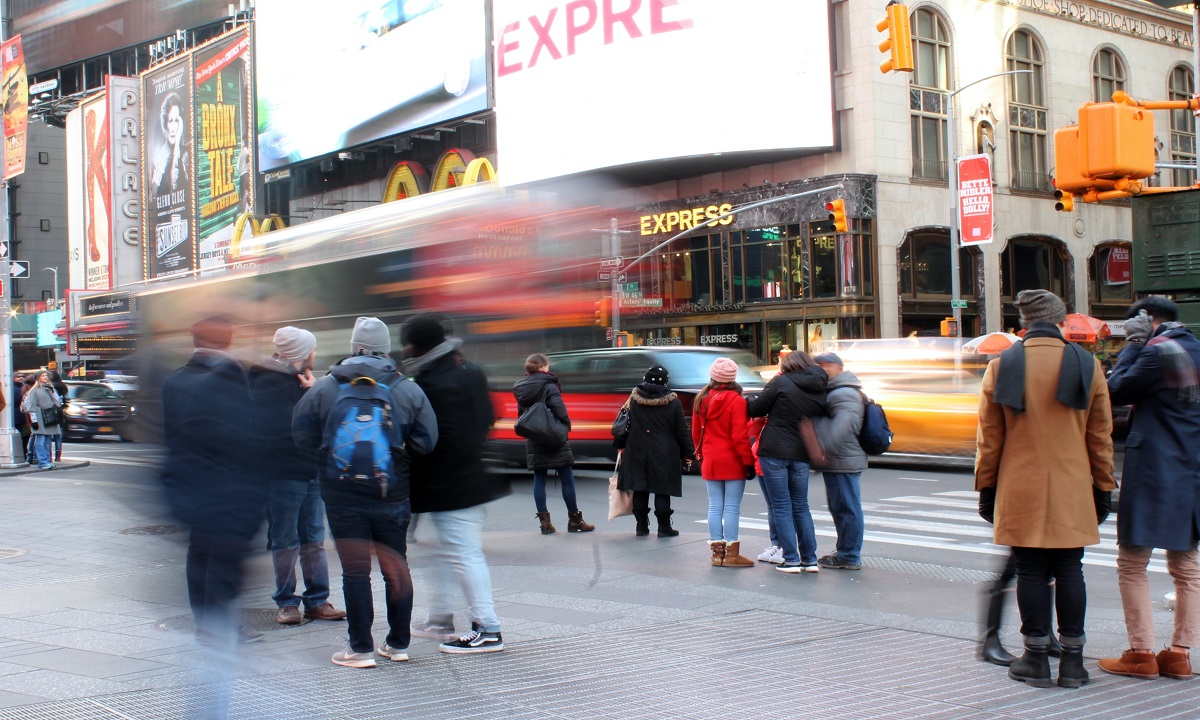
x,y
1116,140
898,46
837,214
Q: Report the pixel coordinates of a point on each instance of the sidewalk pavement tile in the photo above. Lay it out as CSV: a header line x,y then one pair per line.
x,y
83,662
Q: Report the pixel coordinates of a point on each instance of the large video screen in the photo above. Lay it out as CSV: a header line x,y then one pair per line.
x,y
332,75
60,32
594,85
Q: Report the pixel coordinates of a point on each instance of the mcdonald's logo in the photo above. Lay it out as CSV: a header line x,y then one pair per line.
x,y
407,179
479,170
454,169
450,169
269,223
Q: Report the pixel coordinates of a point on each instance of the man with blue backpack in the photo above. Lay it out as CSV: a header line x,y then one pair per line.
x,y
362,421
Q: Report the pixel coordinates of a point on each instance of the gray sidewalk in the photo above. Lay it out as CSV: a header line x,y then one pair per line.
x,y
94,625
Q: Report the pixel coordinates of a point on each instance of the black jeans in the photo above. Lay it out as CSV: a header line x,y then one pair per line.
x,y
641,503
214,577
357,531
1035,568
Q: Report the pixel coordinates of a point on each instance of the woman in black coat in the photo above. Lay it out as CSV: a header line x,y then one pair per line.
x,y
798,391
656,448
539,385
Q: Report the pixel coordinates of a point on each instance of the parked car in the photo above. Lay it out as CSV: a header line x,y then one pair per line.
x,y
93,409
597,382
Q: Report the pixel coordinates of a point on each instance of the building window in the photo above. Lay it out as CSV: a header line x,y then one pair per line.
x,y
927,93
1027,113
925,267
1108,75
690,273
1183,126
1109,272
1033,264
766,265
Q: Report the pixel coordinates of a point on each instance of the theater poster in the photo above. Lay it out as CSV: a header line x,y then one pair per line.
x,y
97,195
15,97
224,146
168,170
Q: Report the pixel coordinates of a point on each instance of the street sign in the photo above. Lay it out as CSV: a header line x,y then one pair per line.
x,y
612,262
19,269
641,302
629,287
958,304
604,276
3,249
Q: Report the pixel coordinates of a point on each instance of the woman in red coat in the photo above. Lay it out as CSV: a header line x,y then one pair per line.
x,y
726,461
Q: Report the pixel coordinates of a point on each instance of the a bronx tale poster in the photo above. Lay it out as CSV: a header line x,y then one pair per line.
x,y
225,155
167,170
97,195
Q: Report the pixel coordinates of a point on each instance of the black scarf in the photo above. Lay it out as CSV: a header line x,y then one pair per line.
x,y
1074,374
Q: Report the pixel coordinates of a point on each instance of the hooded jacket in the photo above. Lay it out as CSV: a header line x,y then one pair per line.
x,y
787,398
275,391
527,391
838,429
411,412
720,435
658,441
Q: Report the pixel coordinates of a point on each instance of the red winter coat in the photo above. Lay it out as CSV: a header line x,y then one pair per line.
x,y
719,432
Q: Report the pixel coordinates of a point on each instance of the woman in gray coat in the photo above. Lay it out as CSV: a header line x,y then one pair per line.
x,y
42,404
838,432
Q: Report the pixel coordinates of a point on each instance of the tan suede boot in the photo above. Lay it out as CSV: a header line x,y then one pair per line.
x,y
734,558
718,552
544,519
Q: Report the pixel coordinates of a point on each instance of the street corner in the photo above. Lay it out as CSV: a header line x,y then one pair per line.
x,y
10,471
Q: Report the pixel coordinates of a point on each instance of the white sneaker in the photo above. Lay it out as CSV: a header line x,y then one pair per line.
x,y
770,554
349,658
391,653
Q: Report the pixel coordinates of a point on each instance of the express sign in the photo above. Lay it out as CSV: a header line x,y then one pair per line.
x,y
686,219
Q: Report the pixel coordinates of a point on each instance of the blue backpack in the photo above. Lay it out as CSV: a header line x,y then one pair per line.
x,y
875,437
361,439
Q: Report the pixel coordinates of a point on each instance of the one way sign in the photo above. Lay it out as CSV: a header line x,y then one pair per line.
x,y
18,269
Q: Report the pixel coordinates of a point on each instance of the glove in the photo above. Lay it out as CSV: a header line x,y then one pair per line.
x,y
751,473
987,504
1137,329
1103,501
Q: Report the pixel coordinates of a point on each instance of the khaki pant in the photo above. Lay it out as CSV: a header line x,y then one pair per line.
x,y
1135,595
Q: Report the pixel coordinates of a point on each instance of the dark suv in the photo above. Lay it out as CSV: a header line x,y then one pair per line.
x,y
94,409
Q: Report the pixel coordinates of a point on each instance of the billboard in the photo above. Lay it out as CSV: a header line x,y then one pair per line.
x,y
975,199
15,97
224,145
332,75
661,79
97,195
167,169
58,32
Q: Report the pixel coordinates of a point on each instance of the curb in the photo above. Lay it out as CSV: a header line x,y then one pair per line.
x,y
28,469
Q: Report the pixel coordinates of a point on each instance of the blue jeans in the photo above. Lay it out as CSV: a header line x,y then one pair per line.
x,y
41,448
787,485
458,552
566,474
297,531
762,485
359,530
845,505
724,508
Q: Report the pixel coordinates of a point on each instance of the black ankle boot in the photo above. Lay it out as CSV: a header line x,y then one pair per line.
x,y
1054,649
990,650
1033,668
643,523
1071,672
664,524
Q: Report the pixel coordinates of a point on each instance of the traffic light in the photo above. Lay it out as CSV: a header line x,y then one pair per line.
x,y
949,327
898,46
603,313
1116,141
1064,201
837,214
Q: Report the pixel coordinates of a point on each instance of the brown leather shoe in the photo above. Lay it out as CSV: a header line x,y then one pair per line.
x,y
325,611
1174,664
289,615
1132,663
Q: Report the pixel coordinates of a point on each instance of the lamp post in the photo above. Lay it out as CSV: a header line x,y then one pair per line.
x,y
55,271
952,177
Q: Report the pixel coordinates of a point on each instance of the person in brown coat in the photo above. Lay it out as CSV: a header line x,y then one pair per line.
x,y
1044,472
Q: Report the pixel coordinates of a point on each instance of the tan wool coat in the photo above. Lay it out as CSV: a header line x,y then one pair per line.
x,y
1044,462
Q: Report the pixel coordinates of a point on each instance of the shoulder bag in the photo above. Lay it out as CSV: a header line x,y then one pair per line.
x,y
620,426
539,425
620,502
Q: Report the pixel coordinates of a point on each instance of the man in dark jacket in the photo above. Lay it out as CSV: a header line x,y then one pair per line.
x,y
845,461
209,483
296,521
1159,373
364,517
452,487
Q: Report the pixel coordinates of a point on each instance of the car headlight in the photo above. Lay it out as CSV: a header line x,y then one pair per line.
x,y
75,411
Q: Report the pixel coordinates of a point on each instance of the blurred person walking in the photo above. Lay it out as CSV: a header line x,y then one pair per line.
x,y
369,515
796,392
540,385
451,486
1043,469
210,477
656,450
838,432
719,432
1158,372
43,404
296,518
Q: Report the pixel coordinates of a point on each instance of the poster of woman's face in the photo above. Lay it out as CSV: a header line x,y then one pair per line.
x,y
168,170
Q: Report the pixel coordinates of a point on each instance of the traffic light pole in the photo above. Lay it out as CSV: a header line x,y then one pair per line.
x,y
8,434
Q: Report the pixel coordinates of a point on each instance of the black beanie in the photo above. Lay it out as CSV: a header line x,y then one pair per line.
x,y
656,375
424,332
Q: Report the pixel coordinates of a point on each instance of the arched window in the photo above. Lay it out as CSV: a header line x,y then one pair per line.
x,y
1108,75
1033,263
1110,273
927,94
925,266
1027,113
1183,126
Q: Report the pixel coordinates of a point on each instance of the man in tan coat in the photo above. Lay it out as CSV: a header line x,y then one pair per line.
x,y
1044,472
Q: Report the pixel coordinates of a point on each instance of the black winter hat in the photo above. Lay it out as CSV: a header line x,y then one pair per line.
x,y
424,332
656,375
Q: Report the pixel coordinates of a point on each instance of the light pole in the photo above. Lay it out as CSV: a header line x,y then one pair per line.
x,y
55,271
952,178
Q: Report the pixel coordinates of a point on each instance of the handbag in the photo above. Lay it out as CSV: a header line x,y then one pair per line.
x,y
620,502
812,445
620,426
52,416
539,425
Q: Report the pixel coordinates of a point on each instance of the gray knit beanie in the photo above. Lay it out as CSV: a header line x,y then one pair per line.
x,y
1040,306
294,344
371,336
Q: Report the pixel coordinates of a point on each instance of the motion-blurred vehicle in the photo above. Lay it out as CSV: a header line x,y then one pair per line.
x,y
596,384
93,410
125,386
